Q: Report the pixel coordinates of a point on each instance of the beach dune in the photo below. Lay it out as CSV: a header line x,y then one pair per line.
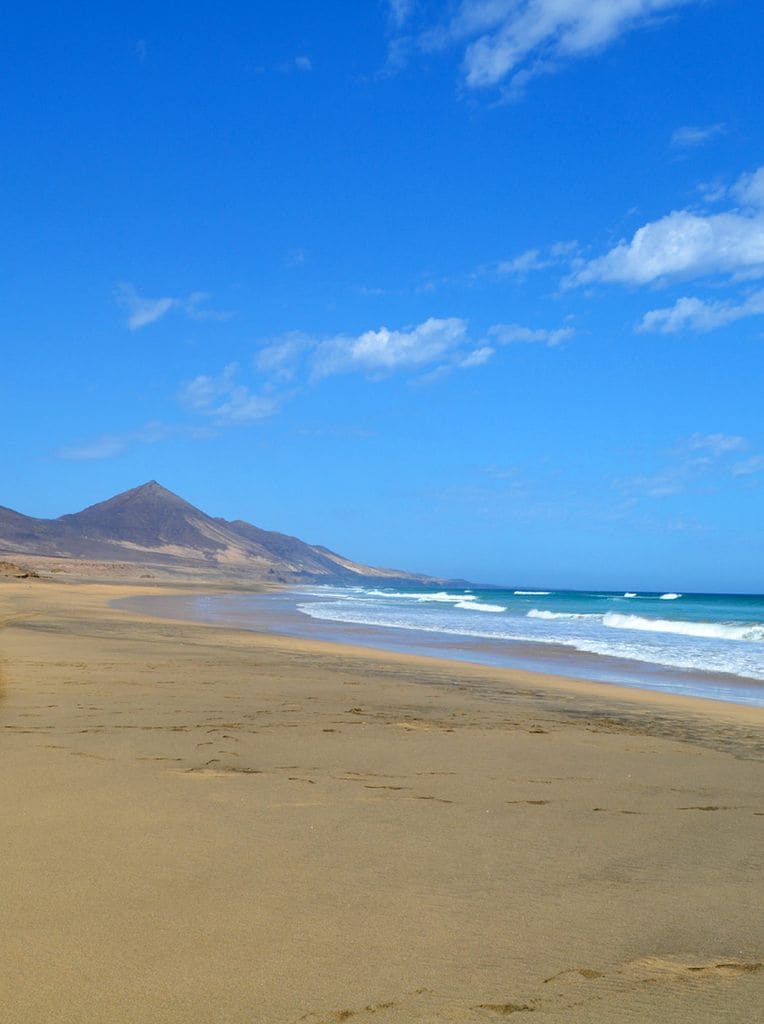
x,y
208,825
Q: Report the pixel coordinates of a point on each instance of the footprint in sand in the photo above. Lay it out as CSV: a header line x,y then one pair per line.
x,y
504,1009
710,807
671,969
584,972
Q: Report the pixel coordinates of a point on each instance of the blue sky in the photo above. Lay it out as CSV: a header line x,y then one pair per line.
x,y
472,288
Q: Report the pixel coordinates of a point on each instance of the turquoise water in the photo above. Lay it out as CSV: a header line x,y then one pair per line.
x,y
702,645
688,635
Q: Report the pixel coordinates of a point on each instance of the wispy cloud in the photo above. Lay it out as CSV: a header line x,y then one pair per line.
x,y
748,467
226,401
109,446
279,359
721,250
385,351
692,136
715,445
525,263
701,461
510,42
438,345
285,366
699,315
142,311
563,256
510,334
559,254
478,357
685,244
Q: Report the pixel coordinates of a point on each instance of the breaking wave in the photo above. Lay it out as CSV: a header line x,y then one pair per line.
x,y
476,606
713,630
536,613
442,597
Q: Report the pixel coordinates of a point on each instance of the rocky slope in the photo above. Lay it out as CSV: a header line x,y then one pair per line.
x,y
150,525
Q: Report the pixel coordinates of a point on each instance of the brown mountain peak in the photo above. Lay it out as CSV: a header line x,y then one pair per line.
x,y
150,491
149,515
152,525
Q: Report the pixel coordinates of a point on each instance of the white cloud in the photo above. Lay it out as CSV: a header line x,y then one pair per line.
x,y
558,254
749,466
520,39
224,400
384,350
713,191
279,359
437,345
140,310
478,357
749,189
429,350
698,315
521,265
303,63
509,334
713,444
685,244
440,344
690,136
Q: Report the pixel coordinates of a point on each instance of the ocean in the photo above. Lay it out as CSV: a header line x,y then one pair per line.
x,y
703,645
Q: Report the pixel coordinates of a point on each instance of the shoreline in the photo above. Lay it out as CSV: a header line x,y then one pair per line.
x,y
214,824
276,617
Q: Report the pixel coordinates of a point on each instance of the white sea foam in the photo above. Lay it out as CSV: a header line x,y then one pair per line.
x,y
713,654
630,594
442,597
536,613
669,597
476,606
534,593
713,630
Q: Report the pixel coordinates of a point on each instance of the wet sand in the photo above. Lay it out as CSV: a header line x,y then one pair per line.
x,y
210,825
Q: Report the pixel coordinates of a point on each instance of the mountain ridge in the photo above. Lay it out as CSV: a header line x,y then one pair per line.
x,y
151,525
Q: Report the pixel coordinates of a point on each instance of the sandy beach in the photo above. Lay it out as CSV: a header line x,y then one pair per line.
x,y
209,825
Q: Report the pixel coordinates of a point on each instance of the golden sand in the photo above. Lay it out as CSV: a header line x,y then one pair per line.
x,y
206,825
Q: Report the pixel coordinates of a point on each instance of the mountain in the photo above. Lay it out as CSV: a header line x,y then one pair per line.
x,y
152,526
